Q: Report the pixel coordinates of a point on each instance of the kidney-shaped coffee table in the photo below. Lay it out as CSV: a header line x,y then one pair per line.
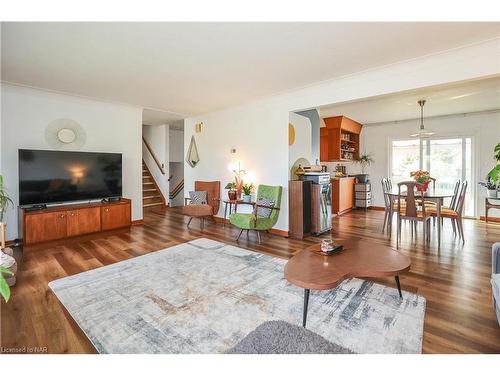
x,y
359,258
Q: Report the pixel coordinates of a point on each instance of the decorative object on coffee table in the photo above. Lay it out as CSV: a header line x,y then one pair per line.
x,y
310,270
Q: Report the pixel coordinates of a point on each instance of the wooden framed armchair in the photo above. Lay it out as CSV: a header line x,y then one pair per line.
x,y
208,209
254,221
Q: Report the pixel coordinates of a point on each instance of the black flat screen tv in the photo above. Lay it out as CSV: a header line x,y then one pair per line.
x,y
65,176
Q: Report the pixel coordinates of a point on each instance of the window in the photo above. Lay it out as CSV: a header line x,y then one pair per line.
x,y
447,159
405,158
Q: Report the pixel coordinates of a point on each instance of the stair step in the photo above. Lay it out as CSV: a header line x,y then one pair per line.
x,y
152,204
147,183
151,196
144,190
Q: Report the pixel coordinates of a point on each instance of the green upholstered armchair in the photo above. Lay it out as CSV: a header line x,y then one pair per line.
x,y
253,221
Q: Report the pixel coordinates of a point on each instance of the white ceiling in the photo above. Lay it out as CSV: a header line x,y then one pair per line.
x,y
193,68
464,97
153,117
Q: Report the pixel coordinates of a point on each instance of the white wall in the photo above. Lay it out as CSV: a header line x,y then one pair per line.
x,y
259,130
157,137
176,158
302,147
109,127
176,150
484,128
262,150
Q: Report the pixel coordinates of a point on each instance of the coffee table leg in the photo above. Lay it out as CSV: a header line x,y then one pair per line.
x,y
306,303
399,287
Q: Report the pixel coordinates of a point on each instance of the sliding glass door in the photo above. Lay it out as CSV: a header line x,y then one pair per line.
x,y
446,159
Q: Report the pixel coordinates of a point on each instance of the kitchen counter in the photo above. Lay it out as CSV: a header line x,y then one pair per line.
x,y
342,178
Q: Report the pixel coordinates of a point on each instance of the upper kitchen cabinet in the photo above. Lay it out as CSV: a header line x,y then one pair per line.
x,y
339,139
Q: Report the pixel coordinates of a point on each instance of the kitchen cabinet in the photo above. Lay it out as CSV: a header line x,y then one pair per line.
x,y
342,194
339,139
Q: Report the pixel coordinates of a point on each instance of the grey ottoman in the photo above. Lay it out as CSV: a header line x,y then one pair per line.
x,y
280,337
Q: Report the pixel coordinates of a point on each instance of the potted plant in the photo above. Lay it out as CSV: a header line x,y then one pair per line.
x,y
365,161
247,191
422,178
491,189
5,201
494,174
4,286
231,190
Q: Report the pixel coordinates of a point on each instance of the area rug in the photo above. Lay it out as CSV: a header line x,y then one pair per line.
x,y
204,296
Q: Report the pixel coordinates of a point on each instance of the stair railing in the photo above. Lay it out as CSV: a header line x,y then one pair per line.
x,y
178,188
158,164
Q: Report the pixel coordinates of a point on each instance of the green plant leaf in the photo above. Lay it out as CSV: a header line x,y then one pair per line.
x,y
4,289
497,152
494,174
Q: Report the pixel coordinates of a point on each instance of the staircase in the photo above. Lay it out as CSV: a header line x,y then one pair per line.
x,y
151,195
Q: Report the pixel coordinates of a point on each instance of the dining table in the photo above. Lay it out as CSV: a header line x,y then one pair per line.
x,y
436,195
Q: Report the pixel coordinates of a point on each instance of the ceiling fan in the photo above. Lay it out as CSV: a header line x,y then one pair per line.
x,y
422,132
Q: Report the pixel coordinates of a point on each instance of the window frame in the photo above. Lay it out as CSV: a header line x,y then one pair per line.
x,y
474,158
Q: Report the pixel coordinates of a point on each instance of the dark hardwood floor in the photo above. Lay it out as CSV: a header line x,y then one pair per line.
x,y
455,280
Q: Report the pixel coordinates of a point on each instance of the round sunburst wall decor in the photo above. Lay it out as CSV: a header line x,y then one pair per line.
x,y
65,133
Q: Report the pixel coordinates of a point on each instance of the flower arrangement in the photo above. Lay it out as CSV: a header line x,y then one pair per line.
x,y
422,177
238,176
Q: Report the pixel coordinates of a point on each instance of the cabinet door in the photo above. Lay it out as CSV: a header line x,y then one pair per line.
x,y
45,227
346,194
115,216
323,145
85,220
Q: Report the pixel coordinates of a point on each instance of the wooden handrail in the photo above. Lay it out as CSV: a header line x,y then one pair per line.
x,y
153,155
180,186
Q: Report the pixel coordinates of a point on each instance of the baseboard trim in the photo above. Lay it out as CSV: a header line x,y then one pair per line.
x,y
377,208
490,219
220,220
277,232
137,222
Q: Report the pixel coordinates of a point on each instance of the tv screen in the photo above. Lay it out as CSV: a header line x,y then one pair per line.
x,y
62,176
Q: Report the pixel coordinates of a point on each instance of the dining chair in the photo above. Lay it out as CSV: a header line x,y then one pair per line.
x,y
387,208
456,213
413,210
390,205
